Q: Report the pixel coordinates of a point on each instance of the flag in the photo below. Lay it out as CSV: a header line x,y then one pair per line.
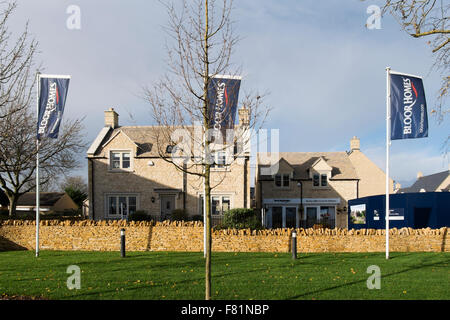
x,y
409,118
223,94
51,100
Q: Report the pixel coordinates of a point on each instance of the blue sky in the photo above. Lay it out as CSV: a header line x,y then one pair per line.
x,y
324,69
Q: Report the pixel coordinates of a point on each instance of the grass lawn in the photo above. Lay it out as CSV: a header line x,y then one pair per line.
x,y
180,275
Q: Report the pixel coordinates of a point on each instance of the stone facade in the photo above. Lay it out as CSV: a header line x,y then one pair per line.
x,y
155,185
319,187
91,235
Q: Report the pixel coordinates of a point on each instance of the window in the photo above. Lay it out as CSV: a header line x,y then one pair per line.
x,y
316,179
225,204
215,205
285,180
278,180
219,159
120,160
282,180
219,205
126,160
121,205
323,180
320,180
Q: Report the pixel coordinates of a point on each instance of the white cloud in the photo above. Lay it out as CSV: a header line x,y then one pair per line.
x,y
405,165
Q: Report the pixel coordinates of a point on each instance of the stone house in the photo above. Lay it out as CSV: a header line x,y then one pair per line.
x,y
127,174
314,187
50,202
436,182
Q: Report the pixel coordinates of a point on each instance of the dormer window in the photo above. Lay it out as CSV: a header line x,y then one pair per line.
x,y
323,180
282,180
316,178
320,180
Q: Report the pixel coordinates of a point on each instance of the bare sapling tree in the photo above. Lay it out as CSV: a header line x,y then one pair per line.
x,y
200,46
429,19
16,61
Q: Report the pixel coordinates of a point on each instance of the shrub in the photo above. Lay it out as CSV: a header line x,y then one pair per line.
x,y
179,215
197,217
140,215
241,218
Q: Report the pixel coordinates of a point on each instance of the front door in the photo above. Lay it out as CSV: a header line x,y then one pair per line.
x,y
167,206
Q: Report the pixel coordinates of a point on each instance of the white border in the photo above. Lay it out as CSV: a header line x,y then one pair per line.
x,y
405,74
225,76
54,76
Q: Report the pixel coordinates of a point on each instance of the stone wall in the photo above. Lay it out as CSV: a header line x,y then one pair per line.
x,y
188,236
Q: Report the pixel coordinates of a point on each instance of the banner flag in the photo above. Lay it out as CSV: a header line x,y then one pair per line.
x,y
223,95
51,100
409,118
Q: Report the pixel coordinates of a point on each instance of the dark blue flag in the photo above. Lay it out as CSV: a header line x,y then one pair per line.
x,y
409,118
223,94
52,98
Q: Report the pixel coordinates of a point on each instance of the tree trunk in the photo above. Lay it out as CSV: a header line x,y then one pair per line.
x,y
208,234
207,165
12,205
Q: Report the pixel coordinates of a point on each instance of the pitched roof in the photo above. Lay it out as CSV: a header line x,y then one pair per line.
x,y
342,168
429,183
46,198
145,137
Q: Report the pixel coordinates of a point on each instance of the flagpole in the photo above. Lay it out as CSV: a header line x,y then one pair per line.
x,y
37,170
388,142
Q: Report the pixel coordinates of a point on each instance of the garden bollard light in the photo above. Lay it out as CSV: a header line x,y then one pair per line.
x,y
294,245
122,242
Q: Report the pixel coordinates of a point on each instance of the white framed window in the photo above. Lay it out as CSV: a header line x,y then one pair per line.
x,y
121,205
316,180
323,180
320,180
220,160
219,204
120,160
282,180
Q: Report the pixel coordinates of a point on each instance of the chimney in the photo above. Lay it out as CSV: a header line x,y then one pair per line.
x,y
111,118
419,174
354,144
244,117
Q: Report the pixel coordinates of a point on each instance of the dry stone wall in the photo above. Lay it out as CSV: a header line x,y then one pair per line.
x,y
188,236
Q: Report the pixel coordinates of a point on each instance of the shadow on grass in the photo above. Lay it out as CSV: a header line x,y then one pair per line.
x,y
421,266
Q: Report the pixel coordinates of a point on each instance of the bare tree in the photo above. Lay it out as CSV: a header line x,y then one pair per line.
x,y
18,153
74,182
429,19
16,64
201,47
